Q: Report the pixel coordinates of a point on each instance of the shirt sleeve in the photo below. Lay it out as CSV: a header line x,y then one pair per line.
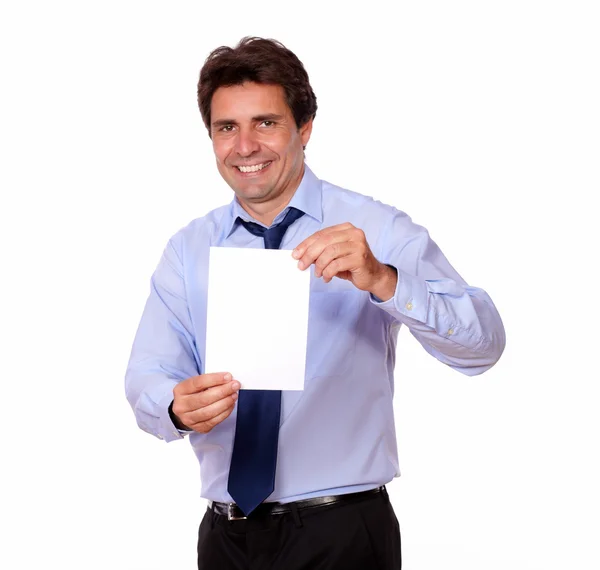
x,y
454,322
164,351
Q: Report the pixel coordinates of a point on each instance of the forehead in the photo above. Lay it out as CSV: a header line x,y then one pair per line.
x,y
247,100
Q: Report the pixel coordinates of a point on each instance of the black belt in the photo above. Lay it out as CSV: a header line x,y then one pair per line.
x,y
234,513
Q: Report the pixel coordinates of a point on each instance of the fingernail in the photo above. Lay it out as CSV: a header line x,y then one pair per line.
x,y
295,254
300,265
234,396
228,377
236,385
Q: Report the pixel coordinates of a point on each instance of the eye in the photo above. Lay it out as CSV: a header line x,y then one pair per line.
x,y
268,123
226,128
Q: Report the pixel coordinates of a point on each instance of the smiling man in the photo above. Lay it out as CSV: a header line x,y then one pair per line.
x,y
259,148
296,480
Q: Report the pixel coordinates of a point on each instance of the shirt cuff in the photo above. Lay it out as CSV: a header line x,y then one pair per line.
x,y
153,412
410,298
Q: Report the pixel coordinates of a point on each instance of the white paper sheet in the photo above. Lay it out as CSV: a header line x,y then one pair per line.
x,y
257,321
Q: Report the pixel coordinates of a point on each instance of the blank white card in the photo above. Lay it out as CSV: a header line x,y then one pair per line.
x,y
257,317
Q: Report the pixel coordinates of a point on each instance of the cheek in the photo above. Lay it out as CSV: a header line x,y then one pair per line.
x,y
221,150
283,146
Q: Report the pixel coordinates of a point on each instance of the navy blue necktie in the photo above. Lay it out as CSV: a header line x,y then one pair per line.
x,y
254,458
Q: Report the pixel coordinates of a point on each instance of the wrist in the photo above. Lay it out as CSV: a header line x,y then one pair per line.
x,y
385,284
176,421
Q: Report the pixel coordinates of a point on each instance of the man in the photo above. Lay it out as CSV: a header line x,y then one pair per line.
x,y
296,479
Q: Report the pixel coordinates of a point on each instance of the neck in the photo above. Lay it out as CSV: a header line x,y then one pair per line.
x,y
266,213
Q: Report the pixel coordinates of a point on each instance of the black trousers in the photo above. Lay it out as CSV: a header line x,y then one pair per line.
x,y
362,535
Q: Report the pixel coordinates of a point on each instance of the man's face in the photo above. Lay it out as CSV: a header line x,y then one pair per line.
x,y
259,149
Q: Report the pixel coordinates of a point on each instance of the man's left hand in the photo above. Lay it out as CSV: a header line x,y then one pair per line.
x,y
342,251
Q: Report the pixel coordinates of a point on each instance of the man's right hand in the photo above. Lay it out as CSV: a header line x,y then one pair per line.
x,y
202,402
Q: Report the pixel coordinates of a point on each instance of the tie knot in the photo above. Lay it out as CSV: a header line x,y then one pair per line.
x,y
273,235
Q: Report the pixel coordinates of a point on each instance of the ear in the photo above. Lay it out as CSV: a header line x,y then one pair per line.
x,y
305,131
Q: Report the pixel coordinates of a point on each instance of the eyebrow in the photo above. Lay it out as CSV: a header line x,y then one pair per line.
x,y
256,119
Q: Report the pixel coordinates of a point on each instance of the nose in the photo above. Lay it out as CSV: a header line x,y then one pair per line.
x,y
246,143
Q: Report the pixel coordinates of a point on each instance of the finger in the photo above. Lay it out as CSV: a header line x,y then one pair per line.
x,y
205,427
210,395
301,247
356,248
316,248
208,413
342,267
332,252
186,403
202,382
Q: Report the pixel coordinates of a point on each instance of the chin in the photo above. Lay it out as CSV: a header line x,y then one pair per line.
x,y
252,191
252,194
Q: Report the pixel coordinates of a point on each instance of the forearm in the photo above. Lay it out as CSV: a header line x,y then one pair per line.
x,y
457,324
163,352
150,397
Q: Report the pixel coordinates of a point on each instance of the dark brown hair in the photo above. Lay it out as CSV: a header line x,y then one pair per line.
x,y
259,60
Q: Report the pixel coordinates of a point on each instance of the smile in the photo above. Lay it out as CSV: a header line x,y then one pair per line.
x,y
254,167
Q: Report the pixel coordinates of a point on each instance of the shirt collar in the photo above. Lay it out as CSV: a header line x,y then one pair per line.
x,y
307,198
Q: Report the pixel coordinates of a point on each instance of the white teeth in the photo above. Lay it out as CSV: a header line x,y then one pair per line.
x,y
254,168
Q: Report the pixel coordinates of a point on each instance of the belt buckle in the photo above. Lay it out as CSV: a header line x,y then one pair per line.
x,y
230,513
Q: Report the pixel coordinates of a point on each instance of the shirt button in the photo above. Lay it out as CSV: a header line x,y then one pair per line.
x,y
450,331
409,306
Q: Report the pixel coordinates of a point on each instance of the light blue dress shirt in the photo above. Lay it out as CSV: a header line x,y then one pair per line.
x,y
338,435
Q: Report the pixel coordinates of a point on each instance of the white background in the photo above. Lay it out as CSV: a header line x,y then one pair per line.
x,y
479,119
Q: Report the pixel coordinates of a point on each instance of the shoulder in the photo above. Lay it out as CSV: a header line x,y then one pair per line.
x,y
384,225
360,209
